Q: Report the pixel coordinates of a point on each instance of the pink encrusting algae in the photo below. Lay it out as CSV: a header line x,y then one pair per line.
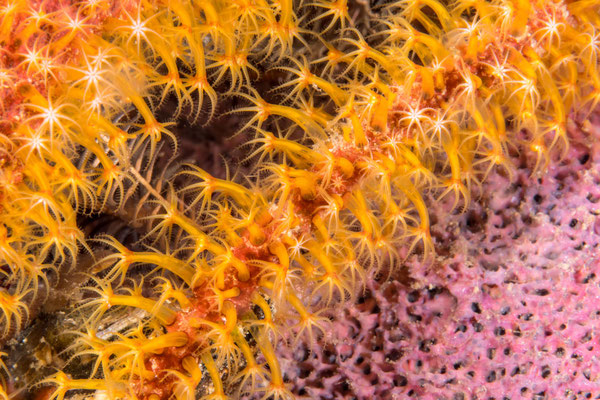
x,y
510,310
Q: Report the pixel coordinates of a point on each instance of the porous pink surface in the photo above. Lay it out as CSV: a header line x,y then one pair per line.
x,y
509,310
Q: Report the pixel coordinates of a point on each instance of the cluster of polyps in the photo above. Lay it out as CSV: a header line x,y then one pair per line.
x,y
432,101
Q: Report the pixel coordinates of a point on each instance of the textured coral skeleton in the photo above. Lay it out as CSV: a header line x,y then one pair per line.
x,y
357,121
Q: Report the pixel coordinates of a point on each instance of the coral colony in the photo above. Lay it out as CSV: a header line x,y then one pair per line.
x,y
413,211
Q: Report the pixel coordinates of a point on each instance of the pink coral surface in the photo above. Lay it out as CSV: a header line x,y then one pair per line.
x,y
510,309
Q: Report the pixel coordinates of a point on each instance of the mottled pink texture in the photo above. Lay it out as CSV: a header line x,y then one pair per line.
x,y
509,310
